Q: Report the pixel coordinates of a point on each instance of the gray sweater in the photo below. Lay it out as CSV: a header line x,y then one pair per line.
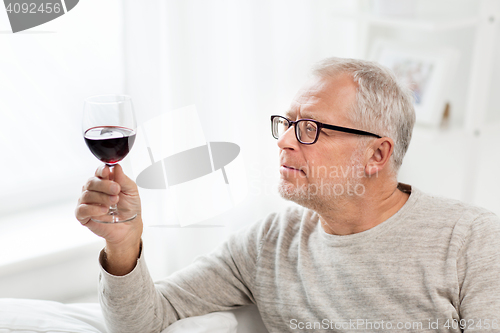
x,y
434,266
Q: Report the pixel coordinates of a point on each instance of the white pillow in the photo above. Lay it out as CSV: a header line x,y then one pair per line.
x,y
216,322
37,316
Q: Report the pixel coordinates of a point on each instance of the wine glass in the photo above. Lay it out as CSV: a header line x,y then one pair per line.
x,y
109,129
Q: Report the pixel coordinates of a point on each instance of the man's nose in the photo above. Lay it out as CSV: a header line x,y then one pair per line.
x,y
288,140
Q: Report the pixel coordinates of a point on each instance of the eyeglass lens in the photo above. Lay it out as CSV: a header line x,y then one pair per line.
x,y
306,131
280,126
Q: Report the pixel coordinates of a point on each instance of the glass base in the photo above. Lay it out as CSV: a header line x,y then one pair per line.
x,y
115,217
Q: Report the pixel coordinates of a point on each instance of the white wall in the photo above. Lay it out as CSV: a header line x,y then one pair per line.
x,y
455,161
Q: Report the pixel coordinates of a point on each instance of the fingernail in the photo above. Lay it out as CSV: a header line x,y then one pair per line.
x,y
104,209
113,198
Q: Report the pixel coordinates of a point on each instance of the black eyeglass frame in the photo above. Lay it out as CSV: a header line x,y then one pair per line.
x,y
320,126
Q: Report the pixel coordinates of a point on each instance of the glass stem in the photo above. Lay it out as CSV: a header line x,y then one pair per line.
x,y
113,209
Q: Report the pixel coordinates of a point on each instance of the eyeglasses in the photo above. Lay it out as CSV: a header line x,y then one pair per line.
x,y
307,130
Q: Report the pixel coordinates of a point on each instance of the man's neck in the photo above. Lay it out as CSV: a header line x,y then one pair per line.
x,y
361,213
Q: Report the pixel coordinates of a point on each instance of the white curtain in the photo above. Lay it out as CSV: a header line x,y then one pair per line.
x,y
45,74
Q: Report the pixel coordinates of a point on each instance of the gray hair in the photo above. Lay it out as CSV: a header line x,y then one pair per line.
x,y
383,105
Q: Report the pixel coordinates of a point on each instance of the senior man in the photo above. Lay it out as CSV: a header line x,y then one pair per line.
x,y
365,253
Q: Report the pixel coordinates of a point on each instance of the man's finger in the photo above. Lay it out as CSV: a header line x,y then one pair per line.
x,y
108,187
84,212
93,197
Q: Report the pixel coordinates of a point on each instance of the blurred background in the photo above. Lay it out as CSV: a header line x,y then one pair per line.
x,y
238,62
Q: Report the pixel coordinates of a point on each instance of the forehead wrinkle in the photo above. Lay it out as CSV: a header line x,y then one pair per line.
x,y
306,112
309,109
328,100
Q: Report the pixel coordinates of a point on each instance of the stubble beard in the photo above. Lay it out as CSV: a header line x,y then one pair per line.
x,y
328,191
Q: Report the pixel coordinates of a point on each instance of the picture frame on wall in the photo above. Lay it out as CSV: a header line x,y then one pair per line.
x,y
428,72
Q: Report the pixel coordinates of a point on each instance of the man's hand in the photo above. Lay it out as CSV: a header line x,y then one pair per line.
x,y
122,239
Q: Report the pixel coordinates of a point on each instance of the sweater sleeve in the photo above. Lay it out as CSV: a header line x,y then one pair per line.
x,y
219,281
479,272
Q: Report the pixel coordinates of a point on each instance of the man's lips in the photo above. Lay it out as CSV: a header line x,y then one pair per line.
x,y
287,168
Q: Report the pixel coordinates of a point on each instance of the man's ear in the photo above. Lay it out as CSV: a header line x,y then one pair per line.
x,y
380,152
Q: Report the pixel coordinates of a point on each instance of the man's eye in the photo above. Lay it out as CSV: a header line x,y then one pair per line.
x,y
311,128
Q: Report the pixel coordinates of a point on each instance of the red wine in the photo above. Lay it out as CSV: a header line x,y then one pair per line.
x,y
110,144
